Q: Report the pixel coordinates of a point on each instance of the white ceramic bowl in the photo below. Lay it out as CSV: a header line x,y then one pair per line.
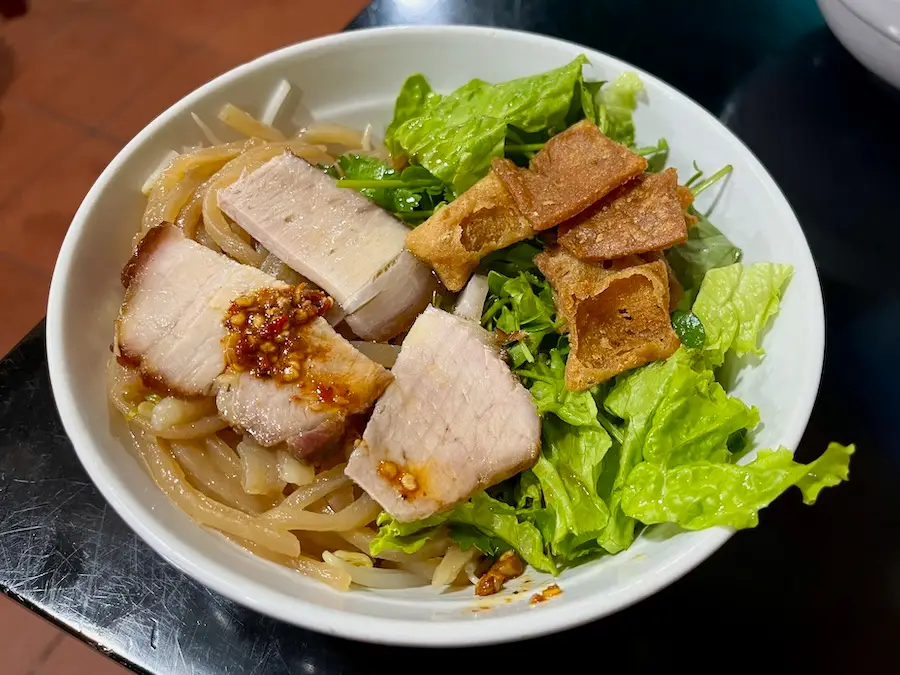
x,y
870,30
353,78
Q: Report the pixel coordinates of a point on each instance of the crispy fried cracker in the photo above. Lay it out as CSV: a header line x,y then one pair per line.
x,y
571,278
643,215
676,290
618,314
573,170
483,219
686,197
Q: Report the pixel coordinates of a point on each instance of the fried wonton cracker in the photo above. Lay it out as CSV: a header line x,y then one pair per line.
x,y
643,215
483,219
676,290
618,315
573,170
686,197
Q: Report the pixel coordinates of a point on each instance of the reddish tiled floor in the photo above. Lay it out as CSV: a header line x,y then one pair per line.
x,y
78,78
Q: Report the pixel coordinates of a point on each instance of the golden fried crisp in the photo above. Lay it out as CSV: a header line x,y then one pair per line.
x,y
618,315
643,215
571,278
686,197
483,219
676,290
573,170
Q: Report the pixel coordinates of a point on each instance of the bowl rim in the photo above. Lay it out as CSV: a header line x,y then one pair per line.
x,y
865,14
436,633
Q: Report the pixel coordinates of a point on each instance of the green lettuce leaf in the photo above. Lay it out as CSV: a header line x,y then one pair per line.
x,y
707,494
513,260
675,413
678,414
483,521
455,137
406,537
615,104
568,471
706,248
735,303
689,329
414,97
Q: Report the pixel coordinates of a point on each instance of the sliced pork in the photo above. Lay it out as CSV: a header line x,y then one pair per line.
x,y
336,238
454,421
198,323
170,325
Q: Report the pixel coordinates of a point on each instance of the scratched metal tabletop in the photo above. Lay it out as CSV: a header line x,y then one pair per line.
x,y
817,589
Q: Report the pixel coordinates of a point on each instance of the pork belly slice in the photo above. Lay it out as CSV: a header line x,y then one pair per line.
x,y
454,421
454,240
395,299
573,170
170,324
617,314
335,380
644,215
335,237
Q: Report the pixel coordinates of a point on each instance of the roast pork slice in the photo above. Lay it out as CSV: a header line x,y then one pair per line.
x,y
336,238
172,327
395,299
454,421
171,323
336,381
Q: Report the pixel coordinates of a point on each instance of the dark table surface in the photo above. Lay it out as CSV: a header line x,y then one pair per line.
x,y
813,588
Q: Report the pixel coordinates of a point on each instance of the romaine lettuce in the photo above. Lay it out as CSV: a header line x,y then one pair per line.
x,y
568,472
482,521
615,104
415,95
705,494
735,303
456,136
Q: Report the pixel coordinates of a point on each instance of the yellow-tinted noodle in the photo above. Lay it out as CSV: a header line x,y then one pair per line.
x,y
171,412
170,478
452,564
224,457
374,577
328,133
320,571
120,380
208,478
222,232
191,214
244,123
323,485
361,512
177,182
259,474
